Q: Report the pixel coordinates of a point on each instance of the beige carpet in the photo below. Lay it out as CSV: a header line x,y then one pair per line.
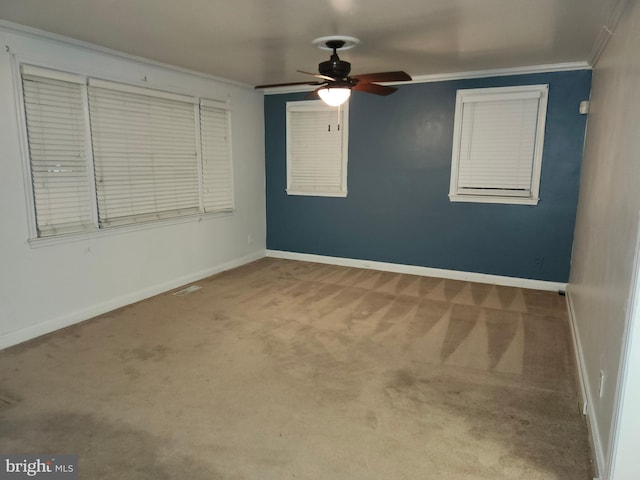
x,y
284,369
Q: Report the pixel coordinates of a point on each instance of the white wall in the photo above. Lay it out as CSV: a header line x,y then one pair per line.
x,y
46,287
605,244
625,463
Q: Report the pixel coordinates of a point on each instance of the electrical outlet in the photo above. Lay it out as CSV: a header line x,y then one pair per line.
x,y
601,388
249,240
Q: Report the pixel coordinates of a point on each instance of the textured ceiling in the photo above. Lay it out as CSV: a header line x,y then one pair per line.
x,y
265,41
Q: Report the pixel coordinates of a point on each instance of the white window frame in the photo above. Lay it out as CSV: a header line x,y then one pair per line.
x,y
99,230
342,117
479,95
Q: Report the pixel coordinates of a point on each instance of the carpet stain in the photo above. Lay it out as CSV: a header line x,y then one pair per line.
x,y
157,353
7,400
107,449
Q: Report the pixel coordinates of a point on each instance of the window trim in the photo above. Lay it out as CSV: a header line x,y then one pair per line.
x,y
315,106
34,67
37,242
500,93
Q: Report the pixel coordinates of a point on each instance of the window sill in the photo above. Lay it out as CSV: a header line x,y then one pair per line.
x,y
317,194
123,229
490,199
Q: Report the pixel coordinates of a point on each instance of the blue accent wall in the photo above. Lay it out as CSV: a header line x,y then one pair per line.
x,y
398,209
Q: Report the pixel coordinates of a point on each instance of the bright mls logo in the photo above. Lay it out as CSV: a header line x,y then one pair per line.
x,y
50,467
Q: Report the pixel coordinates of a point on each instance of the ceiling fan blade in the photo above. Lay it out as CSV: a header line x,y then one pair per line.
x,y
313,95
287,84
383,77
373,88
318,75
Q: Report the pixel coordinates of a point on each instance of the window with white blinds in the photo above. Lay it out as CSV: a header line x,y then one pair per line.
x,y
498,141
317,142
217,168
104,154
56,123
145,153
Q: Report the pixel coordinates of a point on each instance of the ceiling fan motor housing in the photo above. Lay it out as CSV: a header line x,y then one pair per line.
x,y
335,68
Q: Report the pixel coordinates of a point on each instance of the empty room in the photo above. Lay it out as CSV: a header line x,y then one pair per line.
x,y
341,239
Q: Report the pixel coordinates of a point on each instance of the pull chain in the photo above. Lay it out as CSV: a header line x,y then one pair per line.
x,y
339,119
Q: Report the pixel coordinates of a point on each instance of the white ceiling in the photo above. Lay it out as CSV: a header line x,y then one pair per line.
x,y
265,41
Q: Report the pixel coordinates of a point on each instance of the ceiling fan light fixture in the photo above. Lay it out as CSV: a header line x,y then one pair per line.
x,y
334,97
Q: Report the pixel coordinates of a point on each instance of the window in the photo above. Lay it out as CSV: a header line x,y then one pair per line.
x,y
103,154
317,142
60,175
497,144
217,169
144,152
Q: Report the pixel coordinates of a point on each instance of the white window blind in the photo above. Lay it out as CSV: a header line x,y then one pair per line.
x,y
56,129
145,153
217,169
104,154
316,149
498,143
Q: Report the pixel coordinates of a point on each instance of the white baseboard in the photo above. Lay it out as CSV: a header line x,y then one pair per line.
x,y
585,392
422,271
33,331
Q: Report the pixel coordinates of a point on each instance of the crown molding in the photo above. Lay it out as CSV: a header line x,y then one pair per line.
x,y
442,77
501,72
23,30
606,31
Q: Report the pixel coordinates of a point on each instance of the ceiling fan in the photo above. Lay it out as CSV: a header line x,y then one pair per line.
x,y
335,84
